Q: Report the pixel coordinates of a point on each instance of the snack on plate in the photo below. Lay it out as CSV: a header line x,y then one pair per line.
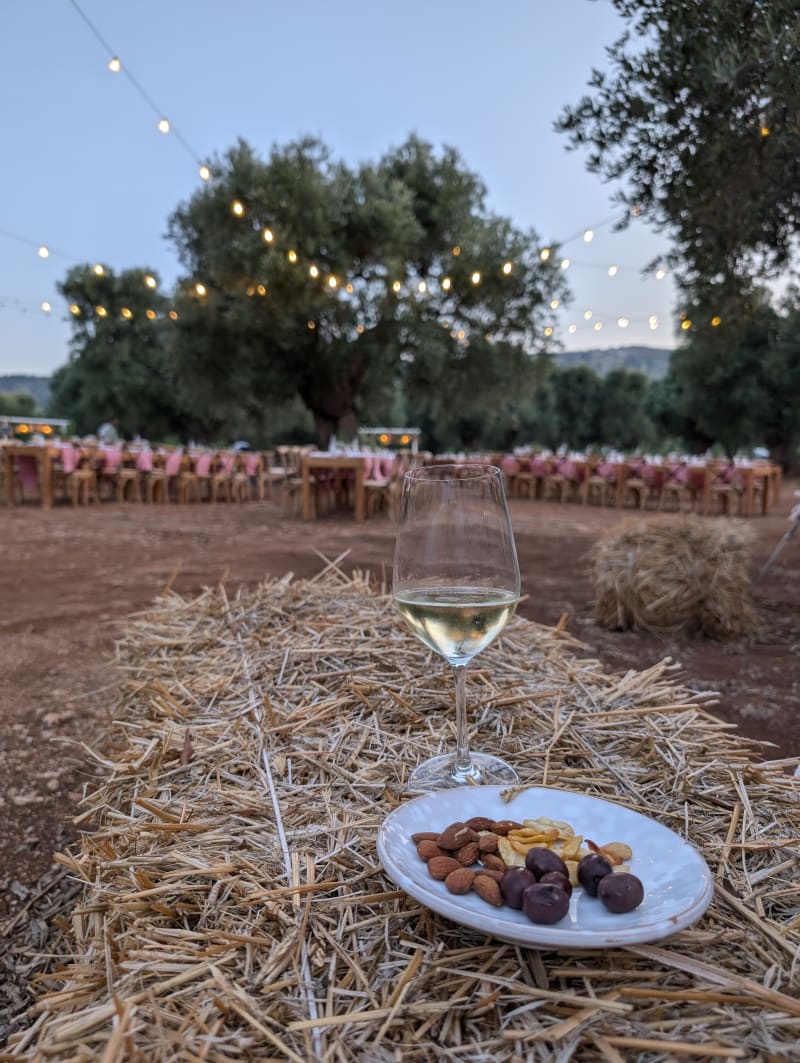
x,y
533,866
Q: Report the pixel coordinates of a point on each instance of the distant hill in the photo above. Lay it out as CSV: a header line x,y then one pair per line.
x,y
654,361
38,386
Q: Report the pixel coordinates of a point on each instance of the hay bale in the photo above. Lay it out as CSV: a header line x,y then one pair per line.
x,y
676,575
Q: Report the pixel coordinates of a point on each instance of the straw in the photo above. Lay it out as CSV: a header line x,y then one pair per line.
x,y
229,903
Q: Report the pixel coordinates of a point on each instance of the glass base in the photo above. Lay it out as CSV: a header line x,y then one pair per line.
x,y
439,773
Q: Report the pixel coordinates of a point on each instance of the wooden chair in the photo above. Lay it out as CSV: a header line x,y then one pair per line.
x,y
240,479
194,480
222,476
164,474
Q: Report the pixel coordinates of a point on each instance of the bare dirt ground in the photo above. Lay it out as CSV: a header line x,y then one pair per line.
x,y
69,577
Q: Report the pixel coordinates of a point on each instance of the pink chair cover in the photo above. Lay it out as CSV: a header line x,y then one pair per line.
x,y
540,466
70,456
112,459
202,466
172,466
28,468
251,464
569,469
606,469
226,464
144,461
371,468
509,465
387,468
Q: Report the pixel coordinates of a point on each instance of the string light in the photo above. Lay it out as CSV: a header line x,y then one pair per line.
x,y
588,236
292,256
623,322
660,274
598,325
46,307
151,315
686,325
446,284
456,250
765,131
163,125
205,173
237,208
261,289
173,315
74,309
422,287
312,325
268,235
565,263
587,314
98,269
548,331
476,277
396,286
101,311
652,321
333,282
544,254
43,252
554,304
572,329
716,321
461,334
360,329
612,271
200,289
126,313
313,272
349,289
150,281
507,268
114,65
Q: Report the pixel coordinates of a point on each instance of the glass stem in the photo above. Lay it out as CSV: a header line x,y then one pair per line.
x,y
463,764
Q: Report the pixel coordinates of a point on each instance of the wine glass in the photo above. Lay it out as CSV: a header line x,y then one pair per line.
x,y
456,583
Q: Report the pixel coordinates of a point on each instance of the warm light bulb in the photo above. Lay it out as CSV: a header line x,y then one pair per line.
x,y
360,329
548,331
313,271
461,334
237,208
587,314
151,315
74,309
612,271
173,314
598,325
349,289
396,286
250,289
333,282
715,321
163,125
200,289
685,325
544,254
507,267
446,284
572,329
422,287
292,256
205,173
588,236
46,307
150,281
114,65
660,274
765,131
98,269
261,289
268,235
43,252
476,277
564,263
126,313
101,311
311,324
456,250
652,321
623,322
554,304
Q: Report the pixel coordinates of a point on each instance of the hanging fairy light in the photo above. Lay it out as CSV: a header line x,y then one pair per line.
x,y
456,251
548,331
587,315
43,252
572,329
507,268
623,322
554,304
564,263
588,235
126,312
333,282
716,321
422,287
74,309
46,307
101,311
598,325
446,284
652,321
261,289
150,281
349,288
200,289
205,173
313,271
98,270
686,324
151,315
268,236
544,254
660,274
476,277
237,208
173,315
114,65
612,271
311,325
163,125
396,286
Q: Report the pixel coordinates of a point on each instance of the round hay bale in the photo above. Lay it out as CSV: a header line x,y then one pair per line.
x,y
670,575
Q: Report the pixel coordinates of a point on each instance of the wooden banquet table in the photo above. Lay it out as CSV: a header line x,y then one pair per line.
x,y
43,455
334,465
231,903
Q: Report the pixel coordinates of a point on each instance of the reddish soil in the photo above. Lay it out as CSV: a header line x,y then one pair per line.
x,y
68,577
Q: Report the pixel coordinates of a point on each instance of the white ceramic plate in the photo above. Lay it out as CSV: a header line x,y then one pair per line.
x,y
677,882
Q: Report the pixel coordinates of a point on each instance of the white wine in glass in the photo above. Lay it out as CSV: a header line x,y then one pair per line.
x,y
456,583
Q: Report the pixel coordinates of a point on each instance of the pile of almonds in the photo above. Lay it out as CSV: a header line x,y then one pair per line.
x,y
452,853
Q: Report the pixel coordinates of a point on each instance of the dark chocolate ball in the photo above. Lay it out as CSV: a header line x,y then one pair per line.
x,y
558,880
544,902
620,892
513,884
591,870
541,860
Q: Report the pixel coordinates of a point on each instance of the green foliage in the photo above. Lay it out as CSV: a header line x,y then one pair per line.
x,y
680,116
345,352
17,404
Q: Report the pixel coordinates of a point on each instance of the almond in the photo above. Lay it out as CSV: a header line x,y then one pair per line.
x,y
467,854
503,826
460,881
488,890
424,836
427,849
456,835
493,862
441,866
487,843
479,823
490,873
